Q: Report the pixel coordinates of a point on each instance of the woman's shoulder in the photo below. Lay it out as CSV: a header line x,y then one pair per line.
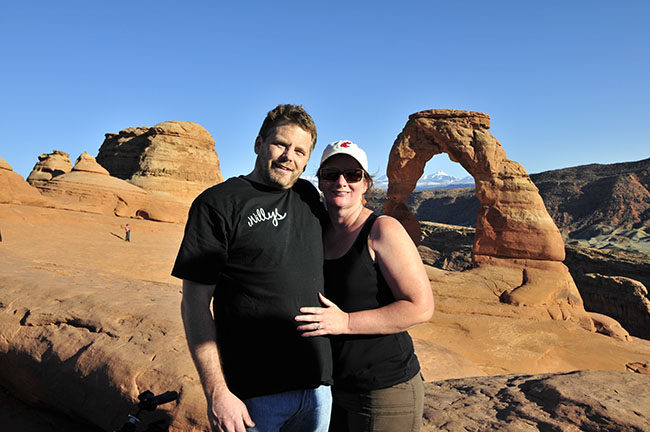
x,y
384,223
387,232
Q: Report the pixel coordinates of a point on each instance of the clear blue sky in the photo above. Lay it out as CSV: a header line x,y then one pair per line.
x,y
565,82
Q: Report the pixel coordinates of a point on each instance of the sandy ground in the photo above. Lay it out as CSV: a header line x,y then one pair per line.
x,y
92,247
67,242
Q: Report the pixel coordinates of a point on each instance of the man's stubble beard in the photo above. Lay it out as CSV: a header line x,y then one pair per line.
x,y
267,174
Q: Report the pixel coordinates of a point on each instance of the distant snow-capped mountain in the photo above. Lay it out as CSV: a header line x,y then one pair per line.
x,y
438,180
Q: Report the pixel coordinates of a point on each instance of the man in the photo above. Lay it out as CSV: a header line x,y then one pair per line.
x,y
253,245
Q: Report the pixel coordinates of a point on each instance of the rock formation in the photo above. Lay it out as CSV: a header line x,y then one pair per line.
x,y
86,163
89,188
15,190
175,158
49,165
621,298
512,221
576,401
513,228
614,283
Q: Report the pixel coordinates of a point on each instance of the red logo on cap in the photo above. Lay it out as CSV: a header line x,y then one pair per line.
x,y
346,144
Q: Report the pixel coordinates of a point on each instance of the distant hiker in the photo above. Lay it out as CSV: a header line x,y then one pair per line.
x,y
127,232
254,244
374,273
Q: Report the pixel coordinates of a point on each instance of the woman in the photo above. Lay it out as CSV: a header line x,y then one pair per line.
x,y
375,288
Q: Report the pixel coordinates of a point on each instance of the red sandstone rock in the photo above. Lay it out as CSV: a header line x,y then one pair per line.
x,y
639,367
512,221
87,163
49,165
89,188
174,158
620,297
513,228
5,166
15,190
609,326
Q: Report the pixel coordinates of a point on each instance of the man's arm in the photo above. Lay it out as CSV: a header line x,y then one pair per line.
x,y
226,412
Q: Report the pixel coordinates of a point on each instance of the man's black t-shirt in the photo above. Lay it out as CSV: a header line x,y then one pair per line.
x,y
262,247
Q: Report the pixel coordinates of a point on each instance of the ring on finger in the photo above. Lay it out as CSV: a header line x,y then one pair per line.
x,y
318,326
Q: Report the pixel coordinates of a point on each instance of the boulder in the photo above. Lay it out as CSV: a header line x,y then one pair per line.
x,y
639,367
174,158
49,166
609,326
15,190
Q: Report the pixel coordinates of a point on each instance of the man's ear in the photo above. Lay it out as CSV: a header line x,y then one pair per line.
x,y
258,144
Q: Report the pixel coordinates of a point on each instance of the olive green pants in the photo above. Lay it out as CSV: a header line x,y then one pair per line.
x,y
393,409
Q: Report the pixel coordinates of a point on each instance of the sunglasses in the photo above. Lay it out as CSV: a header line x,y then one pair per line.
x,y
332,174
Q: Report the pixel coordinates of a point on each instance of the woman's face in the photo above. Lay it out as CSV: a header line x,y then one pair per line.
x,y
341,192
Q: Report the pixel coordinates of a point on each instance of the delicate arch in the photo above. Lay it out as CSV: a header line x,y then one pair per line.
x,y
512,221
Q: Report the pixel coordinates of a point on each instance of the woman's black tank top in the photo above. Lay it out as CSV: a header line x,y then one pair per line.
x,y
366,362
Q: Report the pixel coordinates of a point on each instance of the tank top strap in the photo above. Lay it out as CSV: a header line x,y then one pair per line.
x,y
362,238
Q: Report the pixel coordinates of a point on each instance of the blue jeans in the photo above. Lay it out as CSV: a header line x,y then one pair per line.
x,y
292,411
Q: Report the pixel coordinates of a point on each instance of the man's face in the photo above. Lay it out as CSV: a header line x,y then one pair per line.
x,y
283,155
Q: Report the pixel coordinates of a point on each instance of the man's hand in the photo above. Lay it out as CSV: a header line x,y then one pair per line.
x,y
227,413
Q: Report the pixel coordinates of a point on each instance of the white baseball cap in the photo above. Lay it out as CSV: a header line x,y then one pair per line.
x,y
347,148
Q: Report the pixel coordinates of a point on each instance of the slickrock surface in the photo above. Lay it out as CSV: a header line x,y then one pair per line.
x,y
88,321
15,190
49,165
174,158
571,402
90,188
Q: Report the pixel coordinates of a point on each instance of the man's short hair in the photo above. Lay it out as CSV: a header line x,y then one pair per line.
x,y
286,113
